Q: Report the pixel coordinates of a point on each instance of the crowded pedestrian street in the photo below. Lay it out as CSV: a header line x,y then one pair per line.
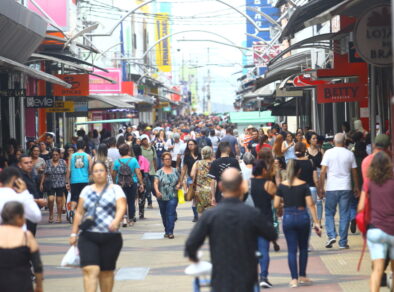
x,y
196,145
150,263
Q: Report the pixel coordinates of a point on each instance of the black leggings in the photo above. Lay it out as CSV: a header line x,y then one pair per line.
x,y
131,193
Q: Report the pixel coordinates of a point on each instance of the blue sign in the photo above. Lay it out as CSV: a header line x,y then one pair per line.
x,y
266,8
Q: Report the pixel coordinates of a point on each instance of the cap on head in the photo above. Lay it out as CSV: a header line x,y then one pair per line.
x,y
145,137
382,141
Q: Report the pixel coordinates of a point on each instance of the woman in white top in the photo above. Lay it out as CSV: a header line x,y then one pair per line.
x,y
247,166
288,147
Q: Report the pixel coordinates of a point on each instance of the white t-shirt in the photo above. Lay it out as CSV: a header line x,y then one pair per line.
x,y
113,153
339,162
32,212
179,148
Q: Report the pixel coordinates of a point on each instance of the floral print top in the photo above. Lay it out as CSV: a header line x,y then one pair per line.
x,y
167,183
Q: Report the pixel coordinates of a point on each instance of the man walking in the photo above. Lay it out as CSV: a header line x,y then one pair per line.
x,y
340,165
233,229
218,167
229,138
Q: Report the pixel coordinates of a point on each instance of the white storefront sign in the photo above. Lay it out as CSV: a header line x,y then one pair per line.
x,y
372,35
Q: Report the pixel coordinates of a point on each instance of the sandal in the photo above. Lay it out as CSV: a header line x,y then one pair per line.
x,y
50,220
171,236
293,284
305,282
58,221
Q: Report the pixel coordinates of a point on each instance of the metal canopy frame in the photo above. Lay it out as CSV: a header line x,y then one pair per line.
x,y
32,72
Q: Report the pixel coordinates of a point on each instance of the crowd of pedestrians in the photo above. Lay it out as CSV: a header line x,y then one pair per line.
x,y
241,186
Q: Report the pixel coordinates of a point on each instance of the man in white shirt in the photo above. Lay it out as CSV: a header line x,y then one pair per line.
x,y
13,188
340,165
177,148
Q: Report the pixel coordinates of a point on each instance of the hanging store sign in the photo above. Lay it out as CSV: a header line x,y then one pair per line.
x,y
343,92
40,101
62,107
372,35
79,82
12,92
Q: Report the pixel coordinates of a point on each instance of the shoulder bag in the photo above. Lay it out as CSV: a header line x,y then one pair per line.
x,y
191,192
89,221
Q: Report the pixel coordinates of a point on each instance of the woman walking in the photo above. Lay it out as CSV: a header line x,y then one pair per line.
x,y
127,173
296,197
44,153
380,235
263,191
144,168
199,174
102,155
18,253
192,154
160,144
308,174
277,148
166,182
100,241
55,172
288,147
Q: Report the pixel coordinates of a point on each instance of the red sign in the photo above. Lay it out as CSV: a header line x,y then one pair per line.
x,y
79,82
343,92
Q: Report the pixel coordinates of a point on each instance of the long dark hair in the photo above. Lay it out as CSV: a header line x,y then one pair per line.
x,y
196,150
381,169
102,152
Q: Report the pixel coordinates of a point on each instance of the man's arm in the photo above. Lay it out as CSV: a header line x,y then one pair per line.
x,y
196,238
355,180
322,180
32,211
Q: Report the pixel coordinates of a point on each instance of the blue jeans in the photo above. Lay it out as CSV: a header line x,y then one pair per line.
x,y
264,246
131,194
296,227
167,212
333,198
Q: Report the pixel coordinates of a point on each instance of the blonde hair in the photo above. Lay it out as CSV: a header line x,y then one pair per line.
x,y
292,171
206,152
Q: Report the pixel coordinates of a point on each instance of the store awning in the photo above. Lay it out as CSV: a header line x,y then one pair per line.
x,y
36,56
327,14
115,121
287,108
109,101
305,13
67,57
58,41
314,41
15,66
21,31
251,117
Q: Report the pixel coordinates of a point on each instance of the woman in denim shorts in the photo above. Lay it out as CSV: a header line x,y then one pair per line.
x,y
380,234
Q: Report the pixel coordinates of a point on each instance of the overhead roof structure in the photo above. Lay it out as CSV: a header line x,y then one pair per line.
x,y
15,66
305,13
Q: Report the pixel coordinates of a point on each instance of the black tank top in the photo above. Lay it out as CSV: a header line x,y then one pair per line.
x,y
261,198
316,159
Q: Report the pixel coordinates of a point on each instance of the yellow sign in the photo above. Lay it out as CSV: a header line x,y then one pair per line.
x,y
163,49
62,107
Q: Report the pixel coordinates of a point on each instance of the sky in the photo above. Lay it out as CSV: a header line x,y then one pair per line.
x,y
193,49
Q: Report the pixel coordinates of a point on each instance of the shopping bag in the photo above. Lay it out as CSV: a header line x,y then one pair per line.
x,y
181,196
71,259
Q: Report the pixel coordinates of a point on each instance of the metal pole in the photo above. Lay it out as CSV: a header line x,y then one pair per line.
x,y
372,103
315,122
334,118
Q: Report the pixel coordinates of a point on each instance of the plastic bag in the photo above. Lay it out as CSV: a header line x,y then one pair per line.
x,y
71,259
181,196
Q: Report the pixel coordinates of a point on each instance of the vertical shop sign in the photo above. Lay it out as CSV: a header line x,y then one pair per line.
x,y
372,35
163,49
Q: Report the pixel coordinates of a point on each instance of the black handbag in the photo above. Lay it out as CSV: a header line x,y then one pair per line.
x,y
89,221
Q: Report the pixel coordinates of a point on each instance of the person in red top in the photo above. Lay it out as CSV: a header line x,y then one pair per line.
x,y
382,143
263,143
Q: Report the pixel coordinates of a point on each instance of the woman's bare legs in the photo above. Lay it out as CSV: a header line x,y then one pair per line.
x,y
106,279
91,278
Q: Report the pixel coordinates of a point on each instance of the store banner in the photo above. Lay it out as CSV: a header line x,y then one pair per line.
x,y
343,92
62,107
79,82
99,85
163,49
40,101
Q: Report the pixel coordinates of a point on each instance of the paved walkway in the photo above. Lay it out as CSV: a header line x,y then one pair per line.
x,y
149,263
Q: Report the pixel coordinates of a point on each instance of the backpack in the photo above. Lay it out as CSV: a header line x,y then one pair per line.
x,y
202,142
125,177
